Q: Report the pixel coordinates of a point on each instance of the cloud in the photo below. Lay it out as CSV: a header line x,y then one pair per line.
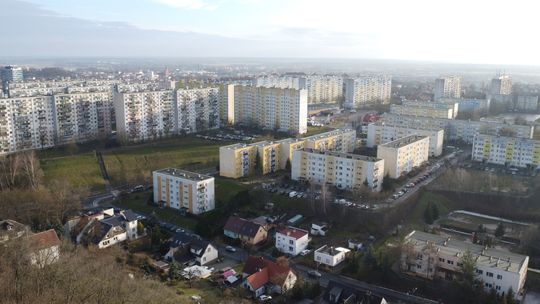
x,y
188,4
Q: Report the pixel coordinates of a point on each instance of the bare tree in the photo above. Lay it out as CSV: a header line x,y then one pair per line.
x,y
32,169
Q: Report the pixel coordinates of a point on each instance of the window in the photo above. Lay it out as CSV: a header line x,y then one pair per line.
x,y
499,277
418,266
441,260
291,242
459,264
478,271
498,287
450,262
291,248
489,274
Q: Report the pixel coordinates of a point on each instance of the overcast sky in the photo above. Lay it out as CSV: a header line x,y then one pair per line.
x,y
468,31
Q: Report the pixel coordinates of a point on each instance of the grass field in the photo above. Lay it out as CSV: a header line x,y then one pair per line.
x,y
416,218
80,170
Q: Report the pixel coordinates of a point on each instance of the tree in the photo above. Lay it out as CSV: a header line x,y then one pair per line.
x,y
468,267
428,216
174,271
140,228
156,236
435,211
499,232
387,183
258,164
510,296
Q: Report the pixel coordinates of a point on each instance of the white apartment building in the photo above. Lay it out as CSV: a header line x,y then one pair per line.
x,y
447,109
237,160
509,151
434,256
184,190
291,240
526,103
340,140
501,85
330,256
447,87
82,117
403,155
145,115
26,123
457,129
367,89
268,108
343,170
197,110
320,88
380,133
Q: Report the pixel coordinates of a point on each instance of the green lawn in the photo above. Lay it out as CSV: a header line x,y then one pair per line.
x,y
225,188
80,170
416,218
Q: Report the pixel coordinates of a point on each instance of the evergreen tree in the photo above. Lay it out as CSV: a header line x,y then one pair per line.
x,y
174,271
499,232
258,164
288,165
140,228
435,211
428,216
387,184
510,296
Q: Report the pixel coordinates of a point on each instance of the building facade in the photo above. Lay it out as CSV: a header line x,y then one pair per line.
x,y
291,240
501,85
269,157
340,140
367,89
403,155
343,170
237,160
424,110
330,256
508,151
447,87
197,110
184,190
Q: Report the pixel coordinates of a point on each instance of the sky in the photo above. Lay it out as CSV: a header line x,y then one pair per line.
x,y
465,31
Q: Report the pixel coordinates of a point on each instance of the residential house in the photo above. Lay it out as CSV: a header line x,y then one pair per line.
x,y
188,249
330,256
291,240
44,248
262,276
247,231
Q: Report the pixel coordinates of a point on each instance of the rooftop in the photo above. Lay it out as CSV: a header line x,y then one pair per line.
x,y
404,141
343,155
184,174
488,257
45,239
328,134
235,146
264,143
293,232
331,250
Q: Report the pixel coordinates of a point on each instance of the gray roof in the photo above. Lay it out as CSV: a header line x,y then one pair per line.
x,y
404,141
184,174
342,155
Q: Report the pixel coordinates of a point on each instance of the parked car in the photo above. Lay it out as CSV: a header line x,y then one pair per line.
x,y
265,298
314,274
230,249
305,252
292,194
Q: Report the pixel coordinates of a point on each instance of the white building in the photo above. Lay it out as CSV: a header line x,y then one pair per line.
x,y
447,87
340,140
509,151
330,256
268,108
501,85
320,88
343,170
144,115
197,110
367,89
180,189
291,240
427,109
380,133
403,155
434,256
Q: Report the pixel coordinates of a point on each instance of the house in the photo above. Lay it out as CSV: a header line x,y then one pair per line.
x,y
44,248
262,276
248,231
330,256
10,230
291,240
186,248
355,244
337,293
196,272
319,229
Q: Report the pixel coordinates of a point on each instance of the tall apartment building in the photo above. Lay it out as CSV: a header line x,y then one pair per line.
x,y
184,190
447,87
426,109
501,85
340,140
82,117
526,103
237,160
320,88
197,109
12,74
26,123
269,156
469,105
401,156
145,115
457,129
288,146
380,133
433,256
343,170
367,89
509,151
269,108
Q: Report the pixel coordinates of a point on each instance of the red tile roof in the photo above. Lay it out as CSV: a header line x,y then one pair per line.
x,y
275,273
293,232
45,239
234,224
258,279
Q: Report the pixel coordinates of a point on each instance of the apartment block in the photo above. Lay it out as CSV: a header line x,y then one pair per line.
x,y
526,103
426,109
367,89
82,117
343,170
26,123
501,85
269,156
340,140
320,88
288,146
508,151
269,108
184,190
197,110
457,129
447,87
468,105
403,155
145,115
380,133
433,256
237,160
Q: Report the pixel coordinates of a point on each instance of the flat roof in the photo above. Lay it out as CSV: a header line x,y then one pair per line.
x,y
328,134
415,127
404,141
184,174
343,155
331,250
264,143
235,146
488,257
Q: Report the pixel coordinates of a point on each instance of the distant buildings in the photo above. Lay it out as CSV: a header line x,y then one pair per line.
x,y
197,110
501,85
469,105
447,87
343,170
12,74
380,133
320,88
433,256
404,154
278,109
291,240
508,151
367,89
426,109
184,190
526,103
